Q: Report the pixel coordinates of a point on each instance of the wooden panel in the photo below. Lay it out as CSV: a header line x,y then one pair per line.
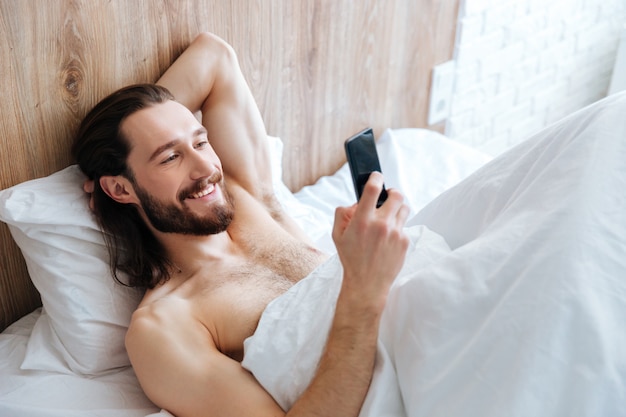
x,y
320,70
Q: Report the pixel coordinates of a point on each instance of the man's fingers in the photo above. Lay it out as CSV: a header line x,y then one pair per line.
x,y
371,191
393,208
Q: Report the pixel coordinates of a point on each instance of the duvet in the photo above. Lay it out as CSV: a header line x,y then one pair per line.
x,y
513,297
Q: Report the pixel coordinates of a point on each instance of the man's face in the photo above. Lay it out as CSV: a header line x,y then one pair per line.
x,y
177,177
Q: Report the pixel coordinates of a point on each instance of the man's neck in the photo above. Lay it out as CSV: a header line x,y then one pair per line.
x,y
190,253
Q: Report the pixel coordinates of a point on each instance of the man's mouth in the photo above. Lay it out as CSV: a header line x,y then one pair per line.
x,y
206,191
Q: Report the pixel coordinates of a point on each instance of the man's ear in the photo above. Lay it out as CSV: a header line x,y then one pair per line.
x,y
118,188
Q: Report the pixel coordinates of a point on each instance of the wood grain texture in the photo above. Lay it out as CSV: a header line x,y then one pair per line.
x,y
319,69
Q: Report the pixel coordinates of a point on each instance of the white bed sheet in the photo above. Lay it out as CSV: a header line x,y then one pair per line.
x,y
38,394
419,162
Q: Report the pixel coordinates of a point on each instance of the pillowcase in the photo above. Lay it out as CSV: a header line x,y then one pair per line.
x,y
85,312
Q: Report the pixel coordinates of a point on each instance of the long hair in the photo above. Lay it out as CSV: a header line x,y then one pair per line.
x,y
100,149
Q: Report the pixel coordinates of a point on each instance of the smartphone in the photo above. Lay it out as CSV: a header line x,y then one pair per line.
x,y
363,160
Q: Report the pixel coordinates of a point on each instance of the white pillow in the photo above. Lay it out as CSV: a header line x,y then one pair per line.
x,y
85,313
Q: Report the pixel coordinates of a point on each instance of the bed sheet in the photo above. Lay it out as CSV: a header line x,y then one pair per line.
x,y
422,162
37,393
514,305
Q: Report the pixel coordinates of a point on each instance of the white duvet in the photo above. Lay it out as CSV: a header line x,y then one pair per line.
x,y
513,300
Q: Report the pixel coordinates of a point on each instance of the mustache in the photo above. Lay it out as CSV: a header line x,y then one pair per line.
x,y
215,178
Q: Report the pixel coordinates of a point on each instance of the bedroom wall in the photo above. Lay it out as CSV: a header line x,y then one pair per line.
x,y
524,64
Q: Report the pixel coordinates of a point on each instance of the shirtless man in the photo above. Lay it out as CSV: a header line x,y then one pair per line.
x,y
185,340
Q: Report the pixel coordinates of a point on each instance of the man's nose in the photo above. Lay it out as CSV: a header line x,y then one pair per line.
x,y
202,166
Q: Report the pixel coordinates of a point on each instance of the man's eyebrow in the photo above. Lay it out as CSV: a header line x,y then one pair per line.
x,y
163,148
198,132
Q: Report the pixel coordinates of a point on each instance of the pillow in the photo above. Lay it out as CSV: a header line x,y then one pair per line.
x,y
85,313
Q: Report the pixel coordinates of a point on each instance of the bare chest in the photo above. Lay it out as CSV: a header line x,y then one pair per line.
x,y
234,296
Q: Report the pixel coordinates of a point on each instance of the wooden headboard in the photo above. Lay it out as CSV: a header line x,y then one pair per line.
x,y
320,70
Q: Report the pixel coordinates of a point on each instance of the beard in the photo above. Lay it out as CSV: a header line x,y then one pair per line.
x,y
172,218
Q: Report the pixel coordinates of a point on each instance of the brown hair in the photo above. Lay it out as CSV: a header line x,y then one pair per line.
x,y
101,149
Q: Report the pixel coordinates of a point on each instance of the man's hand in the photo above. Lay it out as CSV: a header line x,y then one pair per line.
x,y
371,243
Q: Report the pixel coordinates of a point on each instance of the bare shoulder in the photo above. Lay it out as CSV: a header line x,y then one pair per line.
x,y
166,318
164,332
161,341
180,369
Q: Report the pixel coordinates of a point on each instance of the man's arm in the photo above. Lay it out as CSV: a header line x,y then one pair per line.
x,y
181,370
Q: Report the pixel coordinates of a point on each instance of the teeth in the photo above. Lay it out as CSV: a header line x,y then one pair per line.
x,y
204,192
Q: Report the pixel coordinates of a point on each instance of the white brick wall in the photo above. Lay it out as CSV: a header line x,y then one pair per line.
x,y
523,64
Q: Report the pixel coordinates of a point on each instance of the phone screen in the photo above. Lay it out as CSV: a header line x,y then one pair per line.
x,y
363,160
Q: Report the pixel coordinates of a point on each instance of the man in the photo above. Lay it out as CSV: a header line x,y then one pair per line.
x,y
210,242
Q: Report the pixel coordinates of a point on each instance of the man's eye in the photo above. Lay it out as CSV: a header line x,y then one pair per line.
x,y
169,159
202,144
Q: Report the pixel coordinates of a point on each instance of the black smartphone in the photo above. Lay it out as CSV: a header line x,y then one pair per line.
x,y
363,160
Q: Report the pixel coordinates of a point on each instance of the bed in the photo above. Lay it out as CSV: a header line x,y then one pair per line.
x,y
484,349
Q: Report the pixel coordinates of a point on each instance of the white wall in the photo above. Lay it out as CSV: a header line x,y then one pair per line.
x,y
524,64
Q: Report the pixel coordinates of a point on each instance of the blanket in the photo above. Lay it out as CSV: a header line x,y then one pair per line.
x,y
513,297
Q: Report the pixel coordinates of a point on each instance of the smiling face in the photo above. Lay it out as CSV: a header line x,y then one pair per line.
x,y
176,176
